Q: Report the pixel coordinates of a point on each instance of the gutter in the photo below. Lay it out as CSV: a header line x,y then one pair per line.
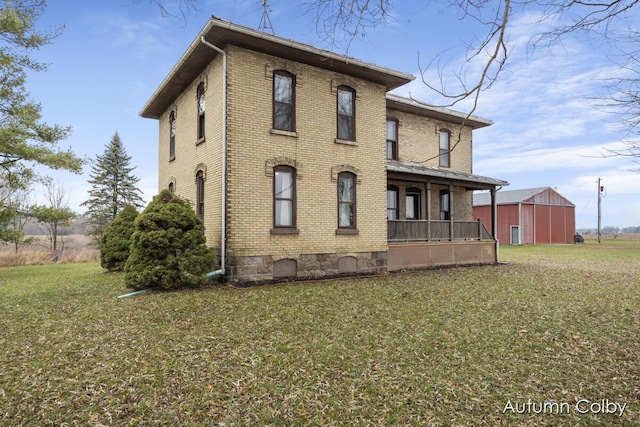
x,y
223,236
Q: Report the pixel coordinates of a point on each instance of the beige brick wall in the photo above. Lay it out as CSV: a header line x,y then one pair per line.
x,y
189,156
253,148
418,141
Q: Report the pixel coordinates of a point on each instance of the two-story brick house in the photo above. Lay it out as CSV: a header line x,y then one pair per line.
x,y
287,152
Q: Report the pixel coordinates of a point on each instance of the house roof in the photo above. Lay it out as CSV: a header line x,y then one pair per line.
x,y
409,105
525,195
222,33
466,180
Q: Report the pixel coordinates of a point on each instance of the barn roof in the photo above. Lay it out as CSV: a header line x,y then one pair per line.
x,y
538,195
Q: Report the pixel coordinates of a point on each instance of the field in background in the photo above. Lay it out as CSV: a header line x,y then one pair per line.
x,y
79,248
76,248
555,324
607,237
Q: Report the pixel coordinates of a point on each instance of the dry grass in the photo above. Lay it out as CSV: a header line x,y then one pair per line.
x,y
77,248
441,347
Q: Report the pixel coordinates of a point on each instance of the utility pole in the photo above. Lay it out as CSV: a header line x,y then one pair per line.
x,y
600,189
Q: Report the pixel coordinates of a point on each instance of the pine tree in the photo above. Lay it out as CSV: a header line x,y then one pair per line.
x,y
113,187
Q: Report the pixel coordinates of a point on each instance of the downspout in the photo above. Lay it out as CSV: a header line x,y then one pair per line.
x,y
494,219
223,236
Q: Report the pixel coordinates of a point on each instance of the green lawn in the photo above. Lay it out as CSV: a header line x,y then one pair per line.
x,y
554,324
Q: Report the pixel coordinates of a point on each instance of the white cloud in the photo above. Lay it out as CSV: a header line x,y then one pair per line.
x,y
581,157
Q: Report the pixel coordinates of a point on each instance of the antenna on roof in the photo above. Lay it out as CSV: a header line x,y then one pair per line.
x,y
265,22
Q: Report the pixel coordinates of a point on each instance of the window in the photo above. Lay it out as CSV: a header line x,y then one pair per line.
x,y
284,101
201,108
346,113
392,202
413,203
392,139
172,188
346,200
445,148
284,197
445,203
200,194
172,135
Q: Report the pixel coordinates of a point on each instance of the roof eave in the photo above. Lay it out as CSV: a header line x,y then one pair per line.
x,y
440,113
221,33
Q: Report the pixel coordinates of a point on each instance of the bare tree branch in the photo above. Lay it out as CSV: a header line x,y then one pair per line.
x,y
341,21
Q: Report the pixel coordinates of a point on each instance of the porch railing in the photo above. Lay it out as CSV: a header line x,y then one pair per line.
x,y
427,231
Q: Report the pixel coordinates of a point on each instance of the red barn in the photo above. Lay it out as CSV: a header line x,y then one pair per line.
x,y
529,216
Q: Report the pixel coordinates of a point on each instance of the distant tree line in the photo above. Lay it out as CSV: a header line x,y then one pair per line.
x,y
609,229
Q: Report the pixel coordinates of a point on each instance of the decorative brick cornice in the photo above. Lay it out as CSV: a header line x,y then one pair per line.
x,y
282,161
345,168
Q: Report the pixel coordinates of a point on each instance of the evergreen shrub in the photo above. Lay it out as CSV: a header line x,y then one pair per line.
x,y
115,241
168,247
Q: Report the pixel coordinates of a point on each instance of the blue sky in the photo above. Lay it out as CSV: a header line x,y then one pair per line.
x,y
113,54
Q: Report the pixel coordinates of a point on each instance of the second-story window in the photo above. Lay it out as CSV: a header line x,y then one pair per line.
x,y
392,139
445,148
201,109
284,101
346,113
172,135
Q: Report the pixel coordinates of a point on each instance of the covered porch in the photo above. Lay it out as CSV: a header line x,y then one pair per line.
x,y
430,217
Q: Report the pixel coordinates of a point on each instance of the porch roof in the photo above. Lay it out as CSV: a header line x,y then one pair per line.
x,y
419,173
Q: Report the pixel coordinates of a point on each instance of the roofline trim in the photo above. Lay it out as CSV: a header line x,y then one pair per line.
x,y
220,23
441,110
217,22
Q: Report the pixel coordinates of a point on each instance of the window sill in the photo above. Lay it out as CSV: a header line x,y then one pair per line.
x,y
347,231
200,141
346,142
283,133
172,158
290,231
